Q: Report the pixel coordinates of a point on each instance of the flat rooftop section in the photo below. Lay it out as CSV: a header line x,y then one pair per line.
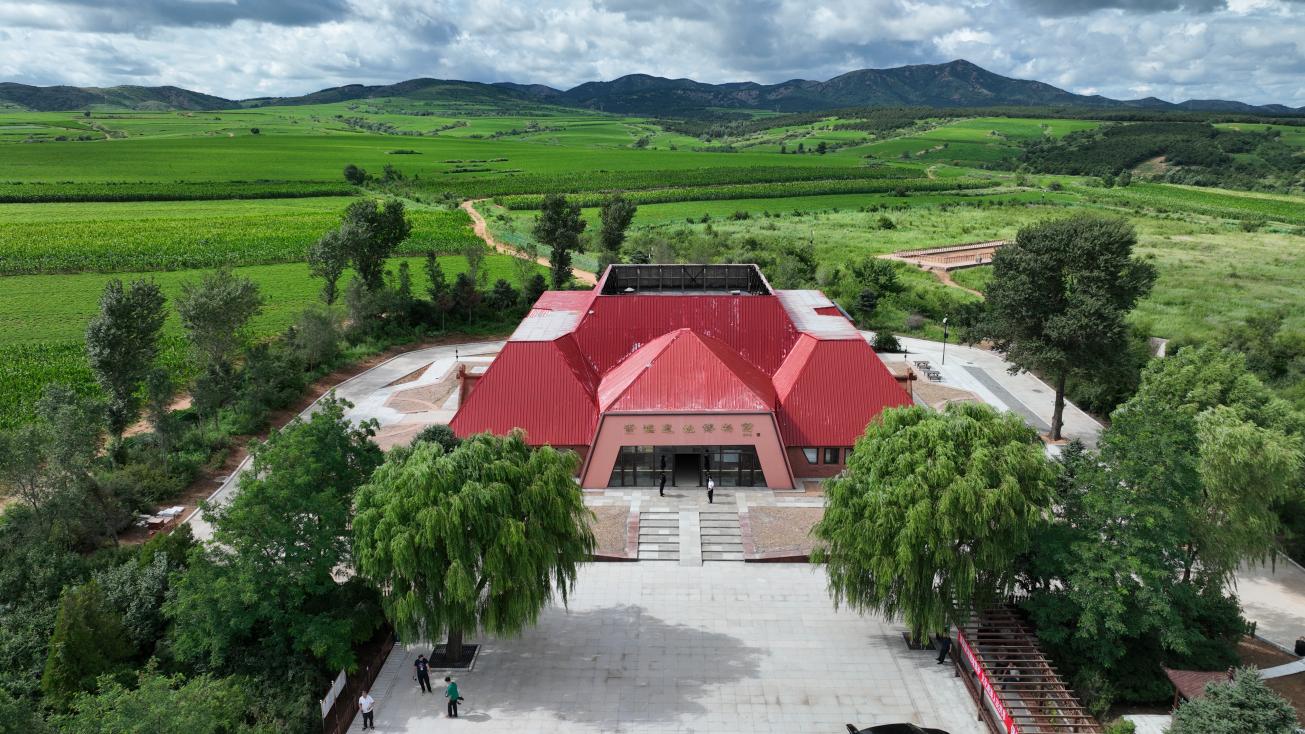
x,y
682,279
655,648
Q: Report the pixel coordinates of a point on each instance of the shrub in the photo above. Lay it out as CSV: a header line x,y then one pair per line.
x,y
355,175
438,433
886,342
914,321
886,223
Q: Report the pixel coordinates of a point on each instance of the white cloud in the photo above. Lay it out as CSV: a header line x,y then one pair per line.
x,y
1252,50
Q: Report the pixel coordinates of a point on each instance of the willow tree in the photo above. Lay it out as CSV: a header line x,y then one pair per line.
x,y
479,538
927,521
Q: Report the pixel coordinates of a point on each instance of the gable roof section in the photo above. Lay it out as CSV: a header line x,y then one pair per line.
x,y
755,327
543,387
683,371
830,389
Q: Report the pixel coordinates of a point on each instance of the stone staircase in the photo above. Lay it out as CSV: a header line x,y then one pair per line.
x,y
659,535
721,538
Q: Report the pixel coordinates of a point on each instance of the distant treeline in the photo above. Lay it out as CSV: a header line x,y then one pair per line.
x,y
712,124
1193,153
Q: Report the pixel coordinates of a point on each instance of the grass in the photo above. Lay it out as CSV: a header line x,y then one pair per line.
x,y
43,318
114,237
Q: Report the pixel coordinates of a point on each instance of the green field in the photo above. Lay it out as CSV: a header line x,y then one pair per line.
x,y
141,236
166,193
43,318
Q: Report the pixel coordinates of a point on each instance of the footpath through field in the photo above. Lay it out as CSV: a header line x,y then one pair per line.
x,y
481,228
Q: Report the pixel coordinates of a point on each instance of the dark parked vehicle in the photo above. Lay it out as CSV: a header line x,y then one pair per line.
x,y
893,729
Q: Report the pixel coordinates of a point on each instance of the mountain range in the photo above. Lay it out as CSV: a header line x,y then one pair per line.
x,y
954,84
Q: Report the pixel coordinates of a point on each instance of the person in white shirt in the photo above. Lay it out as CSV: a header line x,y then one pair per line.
x,y
366,704
711,491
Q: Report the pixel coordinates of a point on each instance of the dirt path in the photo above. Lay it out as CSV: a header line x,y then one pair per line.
x,y
481,228
946,278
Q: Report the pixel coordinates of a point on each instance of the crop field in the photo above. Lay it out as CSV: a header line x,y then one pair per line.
x,y
1209,202
164,194
760,191
34,192
43,318
140,236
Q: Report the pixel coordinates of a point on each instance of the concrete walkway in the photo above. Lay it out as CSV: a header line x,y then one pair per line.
x,y
655,648
987,375
368,391
1274,598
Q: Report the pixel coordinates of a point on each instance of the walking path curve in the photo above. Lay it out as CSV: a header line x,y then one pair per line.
x,y
481,228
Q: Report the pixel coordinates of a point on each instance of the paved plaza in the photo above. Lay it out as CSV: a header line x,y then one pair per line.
x,y
718,648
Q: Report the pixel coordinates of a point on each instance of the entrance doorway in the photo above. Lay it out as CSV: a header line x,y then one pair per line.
x,y
688,470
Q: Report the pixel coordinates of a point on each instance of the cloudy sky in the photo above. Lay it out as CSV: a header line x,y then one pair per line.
x,y
1250,50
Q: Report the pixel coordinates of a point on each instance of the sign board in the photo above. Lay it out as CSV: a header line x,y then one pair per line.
x,y
333,694
985,683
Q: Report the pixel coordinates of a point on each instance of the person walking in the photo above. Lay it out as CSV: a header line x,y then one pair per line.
x,y
451,692
367,705
423,673
944,641
711,491
661,485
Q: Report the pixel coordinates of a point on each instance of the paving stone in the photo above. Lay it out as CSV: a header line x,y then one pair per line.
x,y
654,648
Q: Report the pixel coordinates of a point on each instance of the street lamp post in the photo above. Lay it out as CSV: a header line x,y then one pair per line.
x,y
944,356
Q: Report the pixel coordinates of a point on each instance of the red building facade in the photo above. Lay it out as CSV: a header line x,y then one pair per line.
x,y
685,371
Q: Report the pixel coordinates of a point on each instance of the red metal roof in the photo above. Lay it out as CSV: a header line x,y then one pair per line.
x,y
685,371
542,387
756,327
790,351
830,389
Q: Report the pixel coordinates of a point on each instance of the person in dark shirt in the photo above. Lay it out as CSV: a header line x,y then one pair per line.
x,y
423,673
944,642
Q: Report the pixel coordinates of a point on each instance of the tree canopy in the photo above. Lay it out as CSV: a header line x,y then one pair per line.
x,y
377,229
927,520
1244,706
265,592
558,226
122,341
479,538
616,215
1059,296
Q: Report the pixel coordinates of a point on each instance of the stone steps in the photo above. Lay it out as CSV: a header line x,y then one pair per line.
x,y
722,540
659,536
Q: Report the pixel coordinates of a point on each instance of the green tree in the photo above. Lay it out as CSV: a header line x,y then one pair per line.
x,y
331,253
160,391
215,312
122,342
534,289
1223,451
480,538
88,640
474,252
161,703
926,522
616,215
1244,706
386,226
441,434
503,298
264,594
355,175
558,226
866,303
796,266
19,716
1059,296
465,297
437,288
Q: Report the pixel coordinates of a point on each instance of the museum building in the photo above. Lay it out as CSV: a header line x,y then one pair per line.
x,y
688,370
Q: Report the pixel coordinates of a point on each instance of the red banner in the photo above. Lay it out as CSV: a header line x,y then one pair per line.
x,y
986,684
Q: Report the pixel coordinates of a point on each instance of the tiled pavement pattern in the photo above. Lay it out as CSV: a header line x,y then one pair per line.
x,y
657,648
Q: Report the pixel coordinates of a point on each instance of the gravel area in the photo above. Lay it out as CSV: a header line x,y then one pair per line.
x,y
609,528
784,528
